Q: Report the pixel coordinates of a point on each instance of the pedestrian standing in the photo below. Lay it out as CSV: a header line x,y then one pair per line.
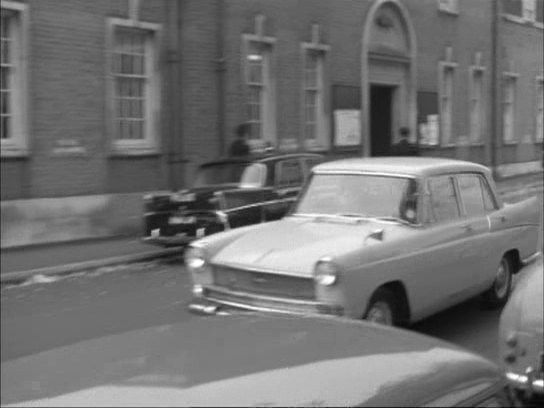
x,y
239,147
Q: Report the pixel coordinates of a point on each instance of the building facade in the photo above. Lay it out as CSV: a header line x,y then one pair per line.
x,y
105,101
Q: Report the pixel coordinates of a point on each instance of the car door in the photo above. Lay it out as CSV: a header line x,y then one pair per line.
x,y
478,246
441,274
289,176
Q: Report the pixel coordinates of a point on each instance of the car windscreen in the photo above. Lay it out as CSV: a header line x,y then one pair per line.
x,y
359,195
219,173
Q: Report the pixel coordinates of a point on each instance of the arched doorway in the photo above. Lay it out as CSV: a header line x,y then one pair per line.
x,y
388,77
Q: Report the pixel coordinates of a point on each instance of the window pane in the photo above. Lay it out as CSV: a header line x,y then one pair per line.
x,y
443,199
5,52
489,203
471,194
5,102
6,134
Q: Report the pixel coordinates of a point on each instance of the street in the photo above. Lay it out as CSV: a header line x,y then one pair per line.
x,y
41,316
48,312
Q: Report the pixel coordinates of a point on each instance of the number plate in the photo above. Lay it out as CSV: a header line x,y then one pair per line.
x,y
182,220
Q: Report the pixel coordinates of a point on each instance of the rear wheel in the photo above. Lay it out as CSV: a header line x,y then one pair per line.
x,y
498,293
382,308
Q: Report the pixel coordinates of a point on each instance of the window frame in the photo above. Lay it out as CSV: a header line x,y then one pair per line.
x,y
150,142
430,216
474,71
445,66
278,173
17,145
509,78
268,105
483,186
539,109
322,138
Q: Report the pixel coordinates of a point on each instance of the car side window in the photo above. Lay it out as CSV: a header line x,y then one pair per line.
x,y
443,200
489,202
289,173
470,189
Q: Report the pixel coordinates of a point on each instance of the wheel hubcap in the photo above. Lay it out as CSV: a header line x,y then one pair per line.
x,y
501,280
380,313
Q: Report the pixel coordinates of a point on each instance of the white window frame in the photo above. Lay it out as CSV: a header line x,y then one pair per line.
x,y
528,10
510,99
445,67
150,143
448,6
18,143
477,117
528,15
321,141
268,97
539,107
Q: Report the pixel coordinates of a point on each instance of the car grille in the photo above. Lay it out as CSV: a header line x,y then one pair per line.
x,y
264,283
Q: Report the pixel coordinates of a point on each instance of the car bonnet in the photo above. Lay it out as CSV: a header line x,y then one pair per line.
x,y
244,360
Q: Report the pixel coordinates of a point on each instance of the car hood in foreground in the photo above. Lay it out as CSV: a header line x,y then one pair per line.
x,y
294,244
245,361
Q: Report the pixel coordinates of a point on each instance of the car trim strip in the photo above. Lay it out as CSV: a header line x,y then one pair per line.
x,y
263,270
531,258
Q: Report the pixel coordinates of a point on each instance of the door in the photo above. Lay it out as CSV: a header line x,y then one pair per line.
x,y
444,273
288,182
381,100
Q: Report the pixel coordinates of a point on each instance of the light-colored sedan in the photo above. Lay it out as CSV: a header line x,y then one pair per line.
x,y
521,334
392,240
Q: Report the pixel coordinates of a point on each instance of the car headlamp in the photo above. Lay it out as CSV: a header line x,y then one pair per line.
x,y
195,259
326,272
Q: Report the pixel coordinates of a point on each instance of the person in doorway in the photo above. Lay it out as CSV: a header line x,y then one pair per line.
x,y
404,147
239,147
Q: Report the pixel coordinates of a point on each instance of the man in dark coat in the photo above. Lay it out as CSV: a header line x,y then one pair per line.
x,y
239,147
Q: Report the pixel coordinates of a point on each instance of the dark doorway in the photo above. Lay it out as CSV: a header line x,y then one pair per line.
x,y
381,98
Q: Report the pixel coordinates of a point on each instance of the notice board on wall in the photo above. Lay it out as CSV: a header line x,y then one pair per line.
x,y
427,118
346,108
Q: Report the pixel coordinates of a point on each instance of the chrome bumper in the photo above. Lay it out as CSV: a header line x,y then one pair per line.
x,y
214,300
168,241
531,382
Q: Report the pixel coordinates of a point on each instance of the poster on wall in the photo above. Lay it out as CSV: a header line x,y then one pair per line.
x,y
347,127
428,118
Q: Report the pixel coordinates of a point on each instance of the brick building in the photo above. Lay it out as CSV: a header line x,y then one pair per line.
x,y
105,100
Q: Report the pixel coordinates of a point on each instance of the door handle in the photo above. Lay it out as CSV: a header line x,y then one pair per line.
x,y
501,218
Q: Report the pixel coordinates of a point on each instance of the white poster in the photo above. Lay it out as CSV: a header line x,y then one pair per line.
x,y
347,127
428,131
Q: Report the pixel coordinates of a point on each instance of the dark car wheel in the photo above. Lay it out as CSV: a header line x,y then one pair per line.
x,y
498,293
382,308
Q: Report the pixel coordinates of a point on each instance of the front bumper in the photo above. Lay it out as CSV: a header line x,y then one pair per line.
x,y
531,382
214,300
165,241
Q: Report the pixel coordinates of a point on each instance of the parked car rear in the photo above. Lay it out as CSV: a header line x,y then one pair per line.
x,y
227,193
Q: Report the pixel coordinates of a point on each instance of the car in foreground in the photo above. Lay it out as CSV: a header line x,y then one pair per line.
x,y
227,193
256,360
392,240
521,335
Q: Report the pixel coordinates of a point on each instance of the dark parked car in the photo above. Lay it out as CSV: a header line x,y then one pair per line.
x,y
227,193
256,360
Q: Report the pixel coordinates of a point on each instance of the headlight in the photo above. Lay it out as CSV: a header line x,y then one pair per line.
x,y
325,272
195,259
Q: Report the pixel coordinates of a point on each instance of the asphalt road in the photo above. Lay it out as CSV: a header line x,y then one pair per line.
x,y
51,312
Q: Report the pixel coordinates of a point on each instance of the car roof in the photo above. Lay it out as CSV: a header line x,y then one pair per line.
x,y
244,360
413,166
259,157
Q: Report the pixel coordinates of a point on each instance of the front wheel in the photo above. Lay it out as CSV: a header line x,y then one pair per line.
x,y
498,293
382,308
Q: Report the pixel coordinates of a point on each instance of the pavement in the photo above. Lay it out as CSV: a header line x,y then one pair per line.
x,y
18,264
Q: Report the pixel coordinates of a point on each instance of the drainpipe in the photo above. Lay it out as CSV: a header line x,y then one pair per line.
x,y
221,71
174,130
496,81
